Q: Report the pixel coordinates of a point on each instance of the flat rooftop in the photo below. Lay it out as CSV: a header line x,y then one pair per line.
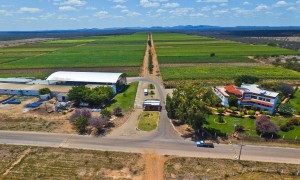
x,y
254,88
53,88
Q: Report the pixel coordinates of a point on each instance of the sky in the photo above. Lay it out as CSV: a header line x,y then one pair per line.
x,y
19,15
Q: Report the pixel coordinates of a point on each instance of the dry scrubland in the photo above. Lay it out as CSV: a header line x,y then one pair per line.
x,y
22,162
49,163
200,168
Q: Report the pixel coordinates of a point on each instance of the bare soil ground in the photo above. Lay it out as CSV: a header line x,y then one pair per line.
x,y
23,41
16,117
20,162
154,166
201,168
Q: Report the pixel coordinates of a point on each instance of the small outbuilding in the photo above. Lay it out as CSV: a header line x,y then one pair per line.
x,y
152,105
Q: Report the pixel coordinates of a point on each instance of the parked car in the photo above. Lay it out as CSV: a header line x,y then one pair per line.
x,y
203,143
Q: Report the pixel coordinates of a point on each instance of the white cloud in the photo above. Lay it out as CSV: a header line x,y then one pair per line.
x,y
101,14
240,11
213,1
198,15
246,3
67,8
181,11
219,12
291,9
149,3
130,13
297,2
47,16
161,11
91,8
30,18
74,2
119,1
5,12
29,10
223,4
171,5
261,7
119,6
208,8
281,4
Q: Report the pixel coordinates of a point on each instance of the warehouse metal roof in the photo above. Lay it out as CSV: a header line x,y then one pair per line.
x,y
95,77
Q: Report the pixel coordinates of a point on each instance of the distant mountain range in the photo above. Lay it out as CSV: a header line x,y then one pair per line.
x,y
186,27
14,35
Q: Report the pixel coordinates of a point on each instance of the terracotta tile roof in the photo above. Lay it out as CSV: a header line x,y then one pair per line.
x,y
258,102
233,90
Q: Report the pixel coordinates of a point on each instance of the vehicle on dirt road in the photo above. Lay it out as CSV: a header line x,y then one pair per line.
x,y
203,143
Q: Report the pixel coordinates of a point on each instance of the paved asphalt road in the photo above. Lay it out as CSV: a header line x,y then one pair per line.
x,y
164,141
160,146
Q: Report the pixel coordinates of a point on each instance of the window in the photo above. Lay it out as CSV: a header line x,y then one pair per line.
x,y
254,97
260,98
268,100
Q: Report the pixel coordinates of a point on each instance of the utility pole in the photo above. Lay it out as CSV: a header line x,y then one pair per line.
x,y
241,147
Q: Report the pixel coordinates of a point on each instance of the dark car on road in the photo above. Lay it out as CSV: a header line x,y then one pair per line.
x,y
204,144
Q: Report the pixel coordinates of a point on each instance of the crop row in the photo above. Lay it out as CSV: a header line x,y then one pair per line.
x,y
227,72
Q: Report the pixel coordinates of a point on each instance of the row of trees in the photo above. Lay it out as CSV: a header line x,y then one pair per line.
x,y
190,104
98,96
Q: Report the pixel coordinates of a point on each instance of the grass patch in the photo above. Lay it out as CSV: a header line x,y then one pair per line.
x,y
249,125
148,121
49,163
203,168
295,102
226,72
125,99
204,59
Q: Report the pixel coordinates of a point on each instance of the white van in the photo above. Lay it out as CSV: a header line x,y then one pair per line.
x,y
146,92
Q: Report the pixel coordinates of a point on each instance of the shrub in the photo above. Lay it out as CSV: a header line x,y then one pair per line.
x,y
232,100
220,110
233,108
221,119
98,123
266,112
117,111
242,114
286,128
251,112
239,128
80,118
44,91
105,113
265,127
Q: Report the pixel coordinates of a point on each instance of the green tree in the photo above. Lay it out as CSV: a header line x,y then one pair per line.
x,y
170,107
188,105
232,100
78,94
80,119
245,79
286,89
44,91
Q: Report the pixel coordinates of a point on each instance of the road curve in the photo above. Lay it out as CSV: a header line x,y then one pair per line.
x,y
184,148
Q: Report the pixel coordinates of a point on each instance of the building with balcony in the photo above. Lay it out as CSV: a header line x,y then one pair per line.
x,y
249,95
